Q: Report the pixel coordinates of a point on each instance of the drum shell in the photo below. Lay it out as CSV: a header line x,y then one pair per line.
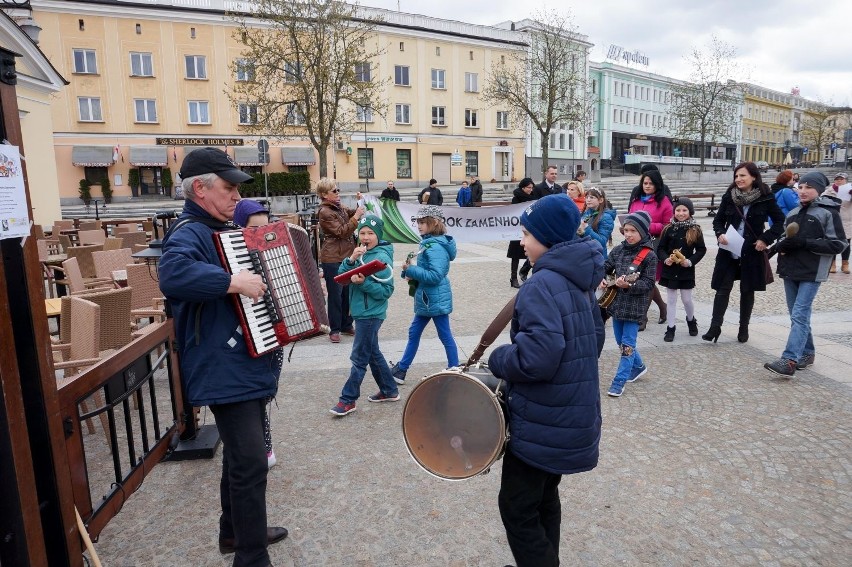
x,y
454,426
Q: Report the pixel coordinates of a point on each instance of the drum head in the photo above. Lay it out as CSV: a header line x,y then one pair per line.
x,y
453,426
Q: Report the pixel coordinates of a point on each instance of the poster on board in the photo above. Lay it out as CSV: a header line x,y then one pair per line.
x,y
14,216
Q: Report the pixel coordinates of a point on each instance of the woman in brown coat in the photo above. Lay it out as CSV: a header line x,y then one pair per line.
x,y
338,227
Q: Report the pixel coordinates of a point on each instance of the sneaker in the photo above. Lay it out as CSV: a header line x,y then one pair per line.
x,y
636,373
805,361
342,409
271,461
380,397
453,369
398,374
782,366
334,337
616,389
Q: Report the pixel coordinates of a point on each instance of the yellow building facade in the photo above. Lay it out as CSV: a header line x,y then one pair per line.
x,y
766,126
148,85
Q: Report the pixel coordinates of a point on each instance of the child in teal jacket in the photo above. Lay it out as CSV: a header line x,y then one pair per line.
x,y
368,305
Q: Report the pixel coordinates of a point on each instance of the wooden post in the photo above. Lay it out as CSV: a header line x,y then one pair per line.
x,y
38,523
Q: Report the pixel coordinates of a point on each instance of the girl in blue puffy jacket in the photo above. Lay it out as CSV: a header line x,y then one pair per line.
x,y
433,297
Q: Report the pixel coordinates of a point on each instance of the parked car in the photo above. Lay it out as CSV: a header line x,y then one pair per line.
x,y
762,166
827,162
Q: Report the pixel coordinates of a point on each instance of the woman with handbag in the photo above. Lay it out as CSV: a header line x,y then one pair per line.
x,y
746,206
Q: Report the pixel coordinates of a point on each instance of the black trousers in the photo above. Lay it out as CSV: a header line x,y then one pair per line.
x,y
531,512
243,485
723,296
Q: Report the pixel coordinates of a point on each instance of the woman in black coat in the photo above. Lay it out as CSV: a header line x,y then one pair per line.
x,y
749,199
522,194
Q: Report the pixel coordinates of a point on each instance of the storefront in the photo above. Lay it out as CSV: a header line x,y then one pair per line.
x,y
298,158
150,161
95,161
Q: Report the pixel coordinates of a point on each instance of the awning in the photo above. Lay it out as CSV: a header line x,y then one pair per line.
x,y
248,156
298,155
149,156
92,156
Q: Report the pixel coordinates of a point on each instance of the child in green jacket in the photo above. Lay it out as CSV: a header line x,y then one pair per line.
x,y
368,304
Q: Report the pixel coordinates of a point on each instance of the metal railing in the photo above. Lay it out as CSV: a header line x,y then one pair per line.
x,y
139,404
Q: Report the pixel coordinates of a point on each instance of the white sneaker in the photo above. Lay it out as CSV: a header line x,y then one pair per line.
x,y
271,461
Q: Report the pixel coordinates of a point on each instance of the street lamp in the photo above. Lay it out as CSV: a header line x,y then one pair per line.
x,y
364,109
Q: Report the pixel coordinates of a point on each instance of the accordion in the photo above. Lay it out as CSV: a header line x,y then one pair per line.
x,y
293,307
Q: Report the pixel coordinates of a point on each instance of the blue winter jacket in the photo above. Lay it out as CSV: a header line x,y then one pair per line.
x,y
369,300
215,364
433,295
605,227
786,197
551,367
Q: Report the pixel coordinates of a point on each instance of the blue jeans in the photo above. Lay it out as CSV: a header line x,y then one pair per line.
x,y
365,350
442,325
800,298
338,299
625,336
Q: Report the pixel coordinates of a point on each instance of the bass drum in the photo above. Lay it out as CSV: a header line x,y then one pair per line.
x,y
454,425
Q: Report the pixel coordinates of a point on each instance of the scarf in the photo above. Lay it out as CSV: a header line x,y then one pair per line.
x,y
743,198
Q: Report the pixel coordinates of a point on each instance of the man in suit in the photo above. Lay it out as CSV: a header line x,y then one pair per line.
x,y
549,186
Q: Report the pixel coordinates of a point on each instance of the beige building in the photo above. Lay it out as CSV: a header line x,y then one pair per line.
x,y
37,84
767,126
148,85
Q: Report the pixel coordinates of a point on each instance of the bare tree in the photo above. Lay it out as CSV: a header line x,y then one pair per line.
x,y
705,109
819,128
546,83
307,70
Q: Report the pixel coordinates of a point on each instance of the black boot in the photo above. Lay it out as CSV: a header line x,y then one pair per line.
x,y
670,332
693,327
712,333
746,307
525,270
514,283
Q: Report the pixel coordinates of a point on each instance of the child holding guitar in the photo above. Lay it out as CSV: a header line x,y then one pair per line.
x,y
634,265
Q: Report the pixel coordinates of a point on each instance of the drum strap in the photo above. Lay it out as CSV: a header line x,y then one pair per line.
x,y
492,332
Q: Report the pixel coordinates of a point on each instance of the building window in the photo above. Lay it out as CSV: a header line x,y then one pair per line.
x,y
594,86
471,163
400,76
85,61
471,82
95,175
292,72
199,112
438,51
502,120
615,115
362,72
141,64
403,164
365,163
403,114
248,113
471,118
294,116
402,46
90,109
252,169
363,113
146,109
502,85
245,70
438,116
438,79
196,66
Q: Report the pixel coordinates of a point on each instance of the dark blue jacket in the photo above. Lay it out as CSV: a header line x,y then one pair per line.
x,y
215,364
551,367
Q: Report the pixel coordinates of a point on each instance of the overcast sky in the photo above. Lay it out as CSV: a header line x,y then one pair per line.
x,y
780,43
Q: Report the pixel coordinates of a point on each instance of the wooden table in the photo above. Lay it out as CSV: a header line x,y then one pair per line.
x,y
107,223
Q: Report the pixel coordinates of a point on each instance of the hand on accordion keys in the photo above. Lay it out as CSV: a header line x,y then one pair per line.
x,y
247,283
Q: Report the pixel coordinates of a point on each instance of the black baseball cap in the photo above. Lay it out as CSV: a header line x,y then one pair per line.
x,y
213,160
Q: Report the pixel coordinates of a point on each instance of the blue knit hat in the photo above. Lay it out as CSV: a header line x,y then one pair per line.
x,y
552,219
374,223
245,209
